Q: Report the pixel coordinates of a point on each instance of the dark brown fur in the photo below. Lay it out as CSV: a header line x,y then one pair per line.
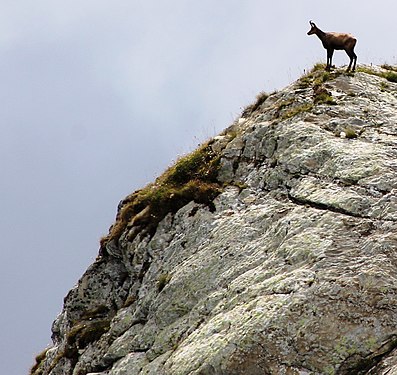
x,y
336,41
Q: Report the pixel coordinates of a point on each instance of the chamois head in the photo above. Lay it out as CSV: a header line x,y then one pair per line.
x,y
313,28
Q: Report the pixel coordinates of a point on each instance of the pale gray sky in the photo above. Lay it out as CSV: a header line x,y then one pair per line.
x,y
99,97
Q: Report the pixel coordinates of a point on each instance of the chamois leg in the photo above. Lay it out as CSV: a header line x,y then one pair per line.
x,y
353,58
355,61
330,53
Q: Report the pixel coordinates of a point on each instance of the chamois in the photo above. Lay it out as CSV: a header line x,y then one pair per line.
x,y
333,41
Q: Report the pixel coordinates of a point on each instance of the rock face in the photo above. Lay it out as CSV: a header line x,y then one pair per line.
x,y
289,268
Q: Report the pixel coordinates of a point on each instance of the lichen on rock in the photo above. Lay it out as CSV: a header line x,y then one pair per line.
x,y
269,250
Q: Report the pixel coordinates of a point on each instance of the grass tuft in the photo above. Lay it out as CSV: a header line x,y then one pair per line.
x,y
192,177
294,111
260,99
163,280
317,76
86,332
392,68
322,96
35,370
350,133
390,74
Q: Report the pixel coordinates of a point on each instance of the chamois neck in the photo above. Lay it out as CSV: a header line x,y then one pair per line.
x,y
320,34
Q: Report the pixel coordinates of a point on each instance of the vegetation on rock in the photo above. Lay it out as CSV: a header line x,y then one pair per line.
x,y
35,370
317,76
260,99
193,177
389,72
163,280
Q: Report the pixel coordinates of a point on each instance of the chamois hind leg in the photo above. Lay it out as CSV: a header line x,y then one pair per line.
x,y
355,61
353,58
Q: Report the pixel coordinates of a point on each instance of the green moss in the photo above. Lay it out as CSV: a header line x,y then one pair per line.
x,y
345,347
372,344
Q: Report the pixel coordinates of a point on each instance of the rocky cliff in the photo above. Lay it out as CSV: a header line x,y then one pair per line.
x,y
271,249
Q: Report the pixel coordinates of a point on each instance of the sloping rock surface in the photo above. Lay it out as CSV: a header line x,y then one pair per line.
x,y
291,271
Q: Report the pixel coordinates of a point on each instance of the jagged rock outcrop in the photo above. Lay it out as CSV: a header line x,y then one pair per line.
x,y
271,250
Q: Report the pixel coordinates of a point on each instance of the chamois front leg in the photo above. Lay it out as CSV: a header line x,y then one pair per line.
x,y
330,53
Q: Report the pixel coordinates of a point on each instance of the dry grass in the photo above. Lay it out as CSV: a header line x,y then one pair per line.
x,y
390,74
35,370
317,76
260,99
192,177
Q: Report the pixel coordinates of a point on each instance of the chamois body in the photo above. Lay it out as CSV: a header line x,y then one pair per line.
x,y
336,41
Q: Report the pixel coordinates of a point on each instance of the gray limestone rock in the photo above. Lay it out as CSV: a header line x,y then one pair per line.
x,y
290,270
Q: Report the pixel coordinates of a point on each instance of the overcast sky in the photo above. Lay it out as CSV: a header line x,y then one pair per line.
x,y
98,97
